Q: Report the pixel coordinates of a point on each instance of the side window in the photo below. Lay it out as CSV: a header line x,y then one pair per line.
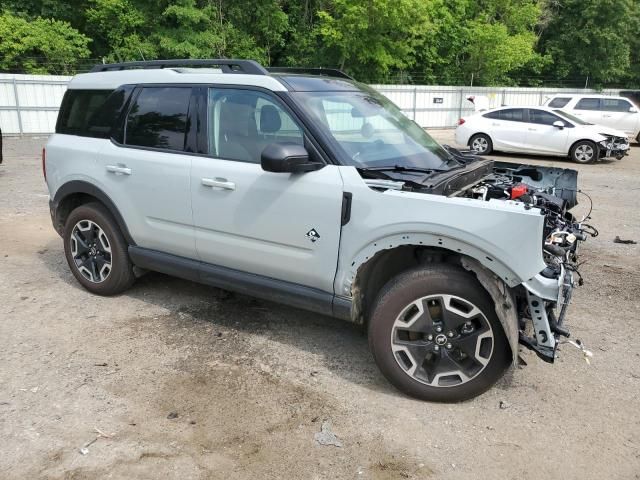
x,y
494,115
512,114
588,104
77,111
559,102
241,123
542,117
615,105
158,118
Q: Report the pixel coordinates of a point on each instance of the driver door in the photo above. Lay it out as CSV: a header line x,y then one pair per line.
x,y
279,225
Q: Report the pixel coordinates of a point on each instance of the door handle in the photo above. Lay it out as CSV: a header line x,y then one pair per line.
x,y
118,169
532,129
218,183
606,116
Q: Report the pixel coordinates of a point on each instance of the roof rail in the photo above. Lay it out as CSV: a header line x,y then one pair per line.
x,y
226,65
327,72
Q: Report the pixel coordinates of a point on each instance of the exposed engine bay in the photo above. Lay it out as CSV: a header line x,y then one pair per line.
x,y
543,300
554,192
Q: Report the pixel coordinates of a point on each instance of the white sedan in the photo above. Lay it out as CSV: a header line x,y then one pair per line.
x,y
540,131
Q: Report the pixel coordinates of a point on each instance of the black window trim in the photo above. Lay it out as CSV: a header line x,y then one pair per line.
x,y
204,138
198,117
122,121
524,114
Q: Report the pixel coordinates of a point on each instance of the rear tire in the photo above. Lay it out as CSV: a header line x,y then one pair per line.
x,y
584,151
435,335
481,144
96,250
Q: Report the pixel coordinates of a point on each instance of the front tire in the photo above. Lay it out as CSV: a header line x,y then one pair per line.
x,y
584,151
435,335
96,250
481,144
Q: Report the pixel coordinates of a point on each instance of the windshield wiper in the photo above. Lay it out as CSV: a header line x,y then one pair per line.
x,y
398,168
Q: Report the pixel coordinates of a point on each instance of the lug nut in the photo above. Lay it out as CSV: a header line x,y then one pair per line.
x,y
438,329
450,334
429,337
449,346
436,348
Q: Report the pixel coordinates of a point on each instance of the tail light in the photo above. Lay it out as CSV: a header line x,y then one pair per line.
x,y
461,121
44,163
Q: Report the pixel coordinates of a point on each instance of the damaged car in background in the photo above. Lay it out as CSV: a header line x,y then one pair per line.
x,y
540,131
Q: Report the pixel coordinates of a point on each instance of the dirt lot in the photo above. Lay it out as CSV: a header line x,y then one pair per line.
x,y
249,383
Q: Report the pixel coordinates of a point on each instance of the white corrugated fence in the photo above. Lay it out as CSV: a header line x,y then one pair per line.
x,y
29,103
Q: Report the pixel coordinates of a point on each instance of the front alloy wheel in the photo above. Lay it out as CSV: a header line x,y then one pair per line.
x,y
442,340
435,335
584,152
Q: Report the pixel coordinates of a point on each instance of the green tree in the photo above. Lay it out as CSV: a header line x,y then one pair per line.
x,y
590,38
40,45
371,37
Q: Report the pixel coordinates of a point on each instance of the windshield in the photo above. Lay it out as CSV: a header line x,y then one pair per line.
x,y
371,132
574,119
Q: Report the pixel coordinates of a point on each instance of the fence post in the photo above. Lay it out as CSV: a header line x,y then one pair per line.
x,y
15,93
415,100
460,103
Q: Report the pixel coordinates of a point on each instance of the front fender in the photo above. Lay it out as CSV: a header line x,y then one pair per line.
x,y
503,236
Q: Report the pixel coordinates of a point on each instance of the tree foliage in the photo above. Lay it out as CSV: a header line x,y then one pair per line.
x,y
433,41
40,45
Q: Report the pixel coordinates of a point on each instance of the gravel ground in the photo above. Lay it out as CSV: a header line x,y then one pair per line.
x,y
191,382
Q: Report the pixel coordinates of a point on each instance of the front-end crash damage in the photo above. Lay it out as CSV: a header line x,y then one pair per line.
x,y
542,301
515,232
613,146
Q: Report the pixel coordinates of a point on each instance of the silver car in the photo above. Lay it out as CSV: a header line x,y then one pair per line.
x,y
305,187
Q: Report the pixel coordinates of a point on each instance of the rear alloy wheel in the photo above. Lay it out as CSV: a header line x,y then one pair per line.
x,y
584,152
435,335
481,144
91,251
96,250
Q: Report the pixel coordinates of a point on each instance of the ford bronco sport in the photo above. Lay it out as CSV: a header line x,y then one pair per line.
x,y
305,187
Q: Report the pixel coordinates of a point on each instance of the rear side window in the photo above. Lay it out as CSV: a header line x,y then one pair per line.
x,y
512,114
494,115
559,102
158,118
78,113
615,105
588,104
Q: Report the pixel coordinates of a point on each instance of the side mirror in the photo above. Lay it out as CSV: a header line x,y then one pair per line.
x,y
287,158
633,110
558,124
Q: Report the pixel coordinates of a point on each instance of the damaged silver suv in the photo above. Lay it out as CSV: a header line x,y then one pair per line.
x,y
307,188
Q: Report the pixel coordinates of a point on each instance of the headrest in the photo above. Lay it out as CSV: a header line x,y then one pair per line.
x,y
270,121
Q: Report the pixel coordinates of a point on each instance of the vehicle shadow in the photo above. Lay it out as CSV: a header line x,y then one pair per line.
x,y
339,346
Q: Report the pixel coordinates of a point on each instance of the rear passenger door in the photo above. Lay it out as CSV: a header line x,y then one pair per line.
x,y
279,225
146,169
507,129
588,109
617,113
